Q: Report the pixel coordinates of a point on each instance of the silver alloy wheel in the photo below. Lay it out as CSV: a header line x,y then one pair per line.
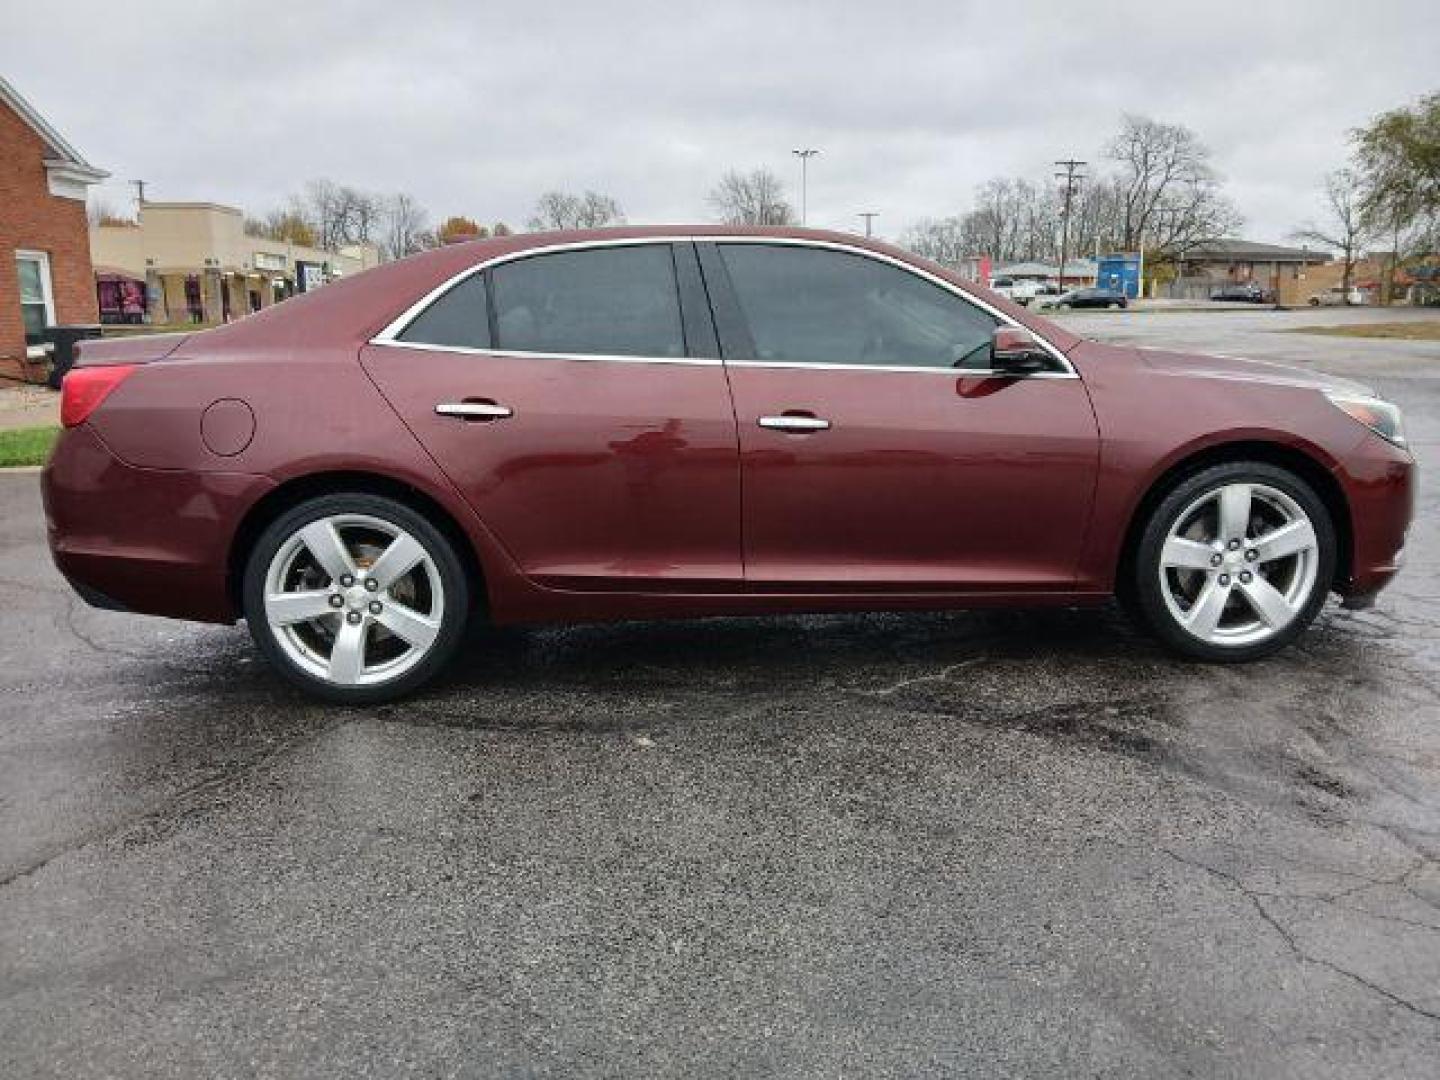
x,y
354,599
1239,564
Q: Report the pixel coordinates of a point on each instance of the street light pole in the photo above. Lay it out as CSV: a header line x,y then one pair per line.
x,y
804,155
1072,176
868,216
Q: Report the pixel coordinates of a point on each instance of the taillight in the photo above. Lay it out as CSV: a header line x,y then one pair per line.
x,y
85,388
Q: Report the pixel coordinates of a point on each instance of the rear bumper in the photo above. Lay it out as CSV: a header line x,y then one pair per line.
x,y
154,541
1379,483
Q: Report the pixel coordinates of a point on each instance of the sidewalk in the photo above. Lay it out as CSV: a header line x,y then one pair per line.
x,y
28,406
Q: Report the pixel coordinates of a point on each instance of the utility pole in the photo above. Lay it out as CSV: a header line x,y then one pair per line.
x,y
804,155
139,194
868,216
1072,177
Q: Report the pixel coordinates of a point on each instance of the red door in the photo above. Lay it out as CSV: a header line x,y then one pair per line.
x,y
870,459
920,481
596,449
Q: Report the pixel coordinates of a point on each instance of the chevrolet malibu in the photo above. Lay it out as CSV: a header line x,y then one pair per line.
x,y
648,423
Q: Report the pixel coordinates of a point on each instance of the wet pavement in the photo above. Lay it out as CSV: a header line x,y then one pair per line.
x,y
992,844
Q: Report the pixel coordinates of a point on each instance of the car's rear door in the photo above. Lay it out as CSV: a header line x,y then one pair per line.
x,y
583,414
877,451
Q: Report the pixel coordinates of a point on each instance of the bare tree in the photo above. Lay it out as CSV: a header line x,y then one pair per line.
x,y
753,198
942,240
403,228
1345,229
100,211
559,210
1170,196
286,226
339,214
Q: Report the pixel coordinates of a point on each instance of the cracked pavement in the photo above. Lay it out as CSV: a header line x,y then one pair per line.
x,y
990,843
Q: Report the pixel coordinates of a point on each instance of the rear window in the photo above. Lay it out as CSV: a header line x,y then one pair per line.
x,y
613,301
459,317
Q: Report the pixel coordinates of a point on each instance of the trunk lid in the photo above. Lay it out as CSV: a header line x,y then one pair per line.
x,y
131,349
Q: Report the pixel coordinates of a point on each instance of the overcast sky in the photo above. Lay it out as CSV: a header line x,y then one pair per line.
x,y
476,107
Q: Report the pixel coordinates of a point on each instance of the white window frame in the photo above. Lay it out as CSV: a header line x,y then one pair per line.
x,y
47,292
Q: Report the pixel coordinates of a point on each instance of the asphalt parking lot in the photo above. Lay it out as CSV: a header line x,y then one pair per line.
x,y
991,844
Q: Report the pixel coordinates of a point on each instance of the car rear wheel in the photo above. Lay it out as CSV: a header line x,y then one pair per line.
x,y
355,598
1235,562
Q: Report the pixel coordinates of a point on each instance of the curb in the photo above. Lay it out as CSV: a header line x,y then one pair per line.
x,y
20,470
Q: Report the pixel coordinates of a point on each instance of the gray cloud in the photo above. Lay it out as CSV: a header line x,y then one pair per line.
x,y
477,107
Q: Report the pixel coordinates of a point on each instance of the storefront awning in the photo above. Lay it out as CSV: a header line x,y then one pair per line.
x,y
114,273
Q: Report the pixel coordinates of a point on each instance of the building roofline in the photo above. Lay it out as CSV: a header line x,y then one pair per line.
x,y
64,154
183,204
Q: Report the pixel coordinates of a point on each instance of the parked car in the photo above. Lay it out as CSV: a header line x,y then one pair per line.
x,y
1246,292
1085,298
648,423
1337,296
1021,291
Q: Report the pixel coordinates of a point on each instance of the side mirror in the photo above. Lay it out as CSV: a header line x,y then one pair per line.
x,y
1016,351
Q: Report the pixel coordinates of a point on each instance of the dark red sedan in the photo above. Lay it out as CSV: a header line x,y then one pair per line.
x,y
645,423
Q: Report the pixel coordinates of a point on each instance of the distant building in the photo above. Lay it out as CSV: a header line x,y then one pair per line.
x,y
193,262
45,276
1078,271
1282,270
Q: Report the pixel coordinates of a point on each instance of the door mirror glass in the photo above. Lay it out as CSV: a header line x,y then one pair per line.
x,y
1016,351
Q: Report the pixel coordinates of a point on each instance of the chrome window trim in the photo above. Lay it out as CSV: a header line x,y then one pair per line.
x,y
579,358
390,334
952,372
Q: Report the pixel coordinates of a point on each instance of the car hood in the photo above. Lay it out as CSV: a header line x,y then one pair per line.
x,y
1237,369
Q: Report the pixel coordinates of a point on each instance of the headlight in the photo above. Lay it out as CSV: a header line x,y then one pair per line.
x,y
1379,415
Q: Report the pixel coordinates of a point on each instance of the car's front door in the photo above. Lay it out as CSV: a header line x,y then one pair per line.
x,y
582,413
876,450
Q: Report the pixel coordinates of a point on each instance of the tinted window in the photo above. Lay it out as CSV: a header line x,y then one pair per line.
x,y
458,317
617,301
817,306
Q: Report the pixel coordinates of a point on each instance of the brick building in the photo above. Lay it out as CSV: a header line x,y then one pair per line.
x,y
45,272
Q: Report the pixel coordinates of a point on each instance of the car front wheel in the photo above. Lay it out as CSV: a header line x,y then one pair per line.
x,y
354,597
1235,562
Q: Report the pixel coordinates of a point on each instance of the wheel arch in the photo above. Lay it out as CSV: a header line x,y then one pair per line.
x,y
1290,458
298,489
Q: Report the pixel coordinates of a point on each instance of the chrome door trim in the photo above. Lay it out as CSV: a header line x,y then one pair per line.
x,y
474,410
389,334
793,423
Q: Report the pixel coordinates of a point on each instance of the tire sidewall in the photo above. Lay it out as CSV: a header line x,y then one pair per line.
x,y
452,578
1147,592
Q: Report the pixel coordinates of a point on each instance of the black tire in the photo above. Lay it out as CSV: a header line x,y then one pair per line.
x,y
1144,592
440,550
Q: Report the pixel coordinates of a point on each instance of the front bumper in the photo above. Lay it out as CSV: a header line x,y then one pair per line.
x,y
1379,483
154,541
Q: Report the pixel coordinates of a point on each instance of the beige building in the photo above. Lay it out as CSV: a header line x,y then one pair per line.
x,y
198,265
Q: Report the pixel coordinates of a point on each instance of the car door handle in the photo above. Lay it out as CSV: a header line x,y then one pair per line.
x,y
791,422
474,410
